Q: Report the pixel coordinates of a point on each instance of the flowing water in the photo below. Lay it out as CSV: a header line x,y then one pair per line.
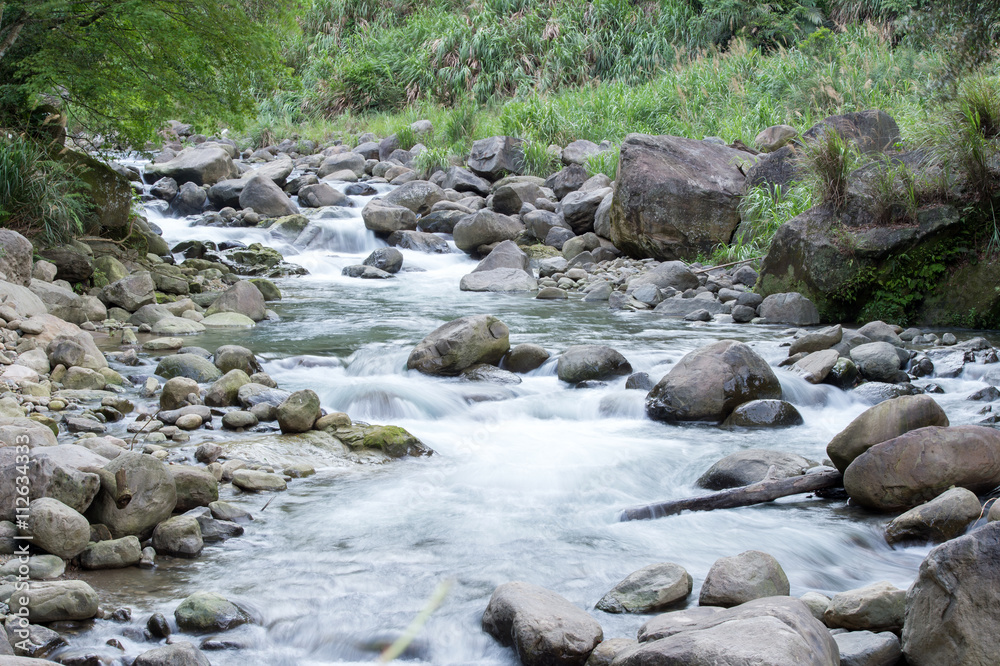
x,y
526,484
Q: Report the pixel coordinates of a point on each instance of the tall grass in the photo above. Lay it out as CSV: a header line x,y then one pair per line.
x,y
762,211
828,161
39,197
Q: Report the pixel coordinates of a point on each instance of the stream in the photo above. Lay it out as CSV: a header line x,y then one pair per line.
x,y
526,483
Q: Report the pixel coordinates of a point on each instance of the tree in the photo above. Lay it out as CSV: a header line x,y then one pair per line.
x,y
122,67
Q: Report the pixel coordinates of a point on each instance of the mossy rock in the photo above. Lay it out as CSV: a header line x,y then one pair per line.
x,y
109,191
393,441
267,289
539,251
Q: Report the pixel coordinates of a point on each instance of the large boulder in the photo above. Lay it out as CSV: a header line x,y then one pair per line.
x,y
777,631
417,195
419,241
387,259
460,344
15,258
505,255
195,487
648,590
154,496
57,528
320,195
877,361
886,420
485,227
462,180
951,610
591,362
23,300
57,472
67,305
741,578
873,131
709,383
385,219
842,266
580,208
921,464
112,553
342,162
496,156
72,263
204,165
56,601
542,626
131,292
244,298
266,198
675,197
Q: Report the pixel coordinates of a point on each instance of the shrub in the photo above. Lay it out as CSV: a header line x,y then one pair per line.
x,y
828,161
429,160
605,162
39,197
538,160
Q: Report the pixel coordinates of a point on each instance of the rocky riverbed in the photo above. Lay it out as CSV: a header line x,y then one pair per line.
x,y
243,453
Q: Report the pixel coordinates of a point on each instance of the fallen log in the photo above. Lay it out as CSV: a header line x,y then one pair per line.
x,y
756,493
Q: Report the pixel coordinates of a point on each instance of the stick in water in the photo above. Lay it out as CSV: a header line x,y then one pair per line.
x,y
400,644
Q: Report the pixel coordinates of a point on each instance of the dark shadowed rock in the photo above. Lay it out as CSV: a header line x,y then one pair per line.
x,y
591,362
709,383
745,467
764,414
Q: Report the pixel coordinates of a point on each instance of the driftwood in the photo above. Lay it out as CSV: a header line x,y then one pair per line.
x,y
756,493
123,494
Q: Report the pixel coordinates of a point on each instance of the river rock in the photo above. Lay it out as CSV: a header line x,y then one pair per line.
x,y
886,420
175,654
177,326
865,648
225,391
235,357
206,612
320,195
179,392
255,481
153,496
299,412
419,241
195,487
204,165
877,361
499,280
777,631
253,394
56,601
496,156
709,383
746,467
741,578
944,517
417,195
342,162
384,219
55,472
921,464
540,222
266,198
543,627
648,590
951,609
764,414
459,344
388,259
675,197
604,654
508,199
879,331
875,607
789,308
131,292
243,298
485,227
463,180
591,362
15,258
580,208
525,357
112,554
227,320
179,536
816,367
674,274
190,366
505,255
57,528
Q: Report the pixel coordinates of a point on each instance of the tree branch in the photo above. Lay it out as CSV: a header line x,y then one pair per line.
x,y
14,31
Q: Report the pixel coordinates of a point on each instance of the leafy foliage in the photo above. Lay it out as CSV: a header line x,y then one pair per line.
x,y
762,211
39,197
122,67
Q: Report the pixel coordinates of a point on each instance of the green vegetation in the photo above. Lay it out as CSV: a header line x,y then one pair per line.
x,y
39,197
762,211
123,67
